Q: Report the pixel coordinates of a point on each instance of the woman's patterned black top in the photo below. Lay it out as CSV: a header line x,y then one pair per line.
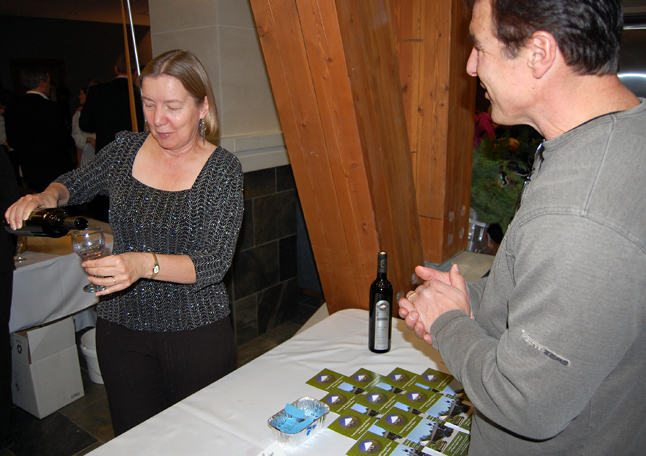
x,y
202,222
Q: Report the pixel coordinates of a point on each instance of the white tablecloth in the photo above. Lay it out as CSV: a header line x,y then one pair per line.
x,y
49,284
230,416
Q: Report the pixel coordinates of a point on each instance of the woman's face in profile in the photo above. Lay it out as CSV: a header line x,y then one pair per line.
x,y
171,112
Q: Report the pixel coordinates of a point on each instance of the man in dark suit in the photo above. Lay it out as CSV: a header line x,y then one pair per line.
x,y
36,129
106,112
107,107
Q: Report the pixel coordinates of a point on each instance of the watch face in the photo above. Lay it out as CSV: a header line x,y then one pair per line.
x,y
156,269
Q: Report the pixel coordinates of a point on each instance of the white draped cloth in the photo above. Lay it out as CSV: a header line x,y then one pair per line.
x,y
49,284
229,417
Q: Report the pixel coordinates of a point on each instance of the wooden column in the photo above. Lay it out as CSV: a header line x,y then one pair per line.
x,y
439,99
334,75
377,114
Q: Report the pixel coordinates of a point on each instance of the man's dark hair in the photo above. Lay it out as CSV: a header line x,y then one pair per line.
x,y
122,64
588,32
32,75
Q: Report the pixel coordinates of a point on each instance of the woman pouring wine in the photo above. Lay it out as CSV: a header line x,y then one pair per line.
x,y
163,329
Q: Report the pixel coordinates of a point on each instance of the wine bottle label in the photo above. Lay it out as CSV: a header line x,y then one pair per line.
x,y
382,325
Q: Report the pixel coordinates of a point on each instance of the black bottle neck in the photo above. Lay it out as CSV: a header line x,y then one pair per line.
x,y
382,265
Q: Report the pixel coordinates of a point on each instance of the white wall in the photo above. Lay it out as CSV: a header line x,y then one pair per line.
x,y
222,34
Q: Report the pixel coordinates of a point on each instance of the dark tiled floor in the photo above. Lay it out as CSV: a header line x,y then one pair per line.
x,y
84,425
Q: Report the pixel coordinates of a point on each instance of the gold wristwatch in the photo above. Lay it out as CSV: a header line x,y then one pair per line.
x,y
155,267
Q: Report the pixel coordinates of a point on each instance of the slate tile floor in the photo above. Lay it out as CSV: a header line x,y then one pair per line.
x,y
84,425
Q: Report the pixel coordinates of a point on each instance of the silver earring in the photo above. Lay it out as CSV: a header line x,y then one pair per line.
x,y
202,127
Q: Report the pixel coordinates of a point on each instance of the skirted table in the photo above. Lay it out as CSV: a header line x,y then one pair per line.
x,y
48,285
229,417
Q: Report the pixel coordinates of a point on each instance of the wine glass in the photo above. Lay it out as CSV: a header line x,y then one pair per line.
x,y
89,245
21,247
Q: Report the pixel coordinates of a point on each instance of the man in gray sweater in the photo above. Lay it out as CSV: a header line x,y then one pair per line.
x,y
551,346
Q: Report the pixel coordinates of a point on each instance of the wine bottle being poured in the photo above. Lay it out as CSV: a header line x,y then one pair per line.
x,y
53,222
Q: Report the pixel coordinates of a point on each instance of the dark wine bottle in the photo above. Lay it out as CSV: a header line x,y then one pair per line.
x,y
53,222
381,308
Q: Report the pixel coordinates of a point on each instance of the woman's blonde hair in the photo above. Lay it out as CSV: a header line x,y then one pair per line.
x,y
187,68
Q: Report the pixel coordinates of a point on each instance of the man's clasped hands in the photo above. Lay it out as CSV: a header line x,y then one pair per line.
x,y
440,292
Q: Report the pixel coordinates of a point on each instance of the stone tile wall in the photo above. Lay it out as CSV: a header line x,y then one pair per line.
x,y
262,281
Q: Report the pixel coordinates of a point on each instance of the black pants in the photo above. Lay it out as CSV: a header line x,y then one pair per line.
x,y
147,372
6,402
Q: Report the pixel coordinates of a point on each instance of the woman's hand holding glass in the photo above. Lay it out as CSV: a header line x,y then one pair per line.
x,y
118,272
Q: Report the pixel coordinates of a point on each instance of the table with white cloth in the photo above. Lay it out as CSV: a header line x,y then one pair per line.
x,y
48,285
229,417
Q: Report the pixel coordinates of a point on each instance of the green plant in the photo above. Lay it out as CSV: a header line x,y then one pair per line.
x,y
500,167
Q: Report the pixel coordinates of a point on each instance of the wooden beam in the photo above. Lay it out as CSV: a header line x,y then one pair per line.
x,y
440,102
409,40
371,55
335,79
377,113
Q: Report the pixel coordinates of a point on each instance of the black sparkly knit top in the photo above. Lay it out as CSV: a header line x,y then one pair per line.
x,y
202,222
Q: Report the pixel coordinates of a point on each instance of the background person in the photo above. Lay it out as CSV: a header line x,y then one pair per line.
x,y
163,329
7,97
550,347
106,110
8,194
85,142
37,131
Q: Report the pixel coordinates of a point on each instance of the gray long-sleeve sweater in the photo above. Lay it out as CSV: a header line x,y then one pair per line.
x,y
555,361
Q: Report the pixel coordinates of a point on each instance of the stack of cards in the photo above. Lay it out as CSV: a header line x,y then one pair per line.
x,y
401,413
